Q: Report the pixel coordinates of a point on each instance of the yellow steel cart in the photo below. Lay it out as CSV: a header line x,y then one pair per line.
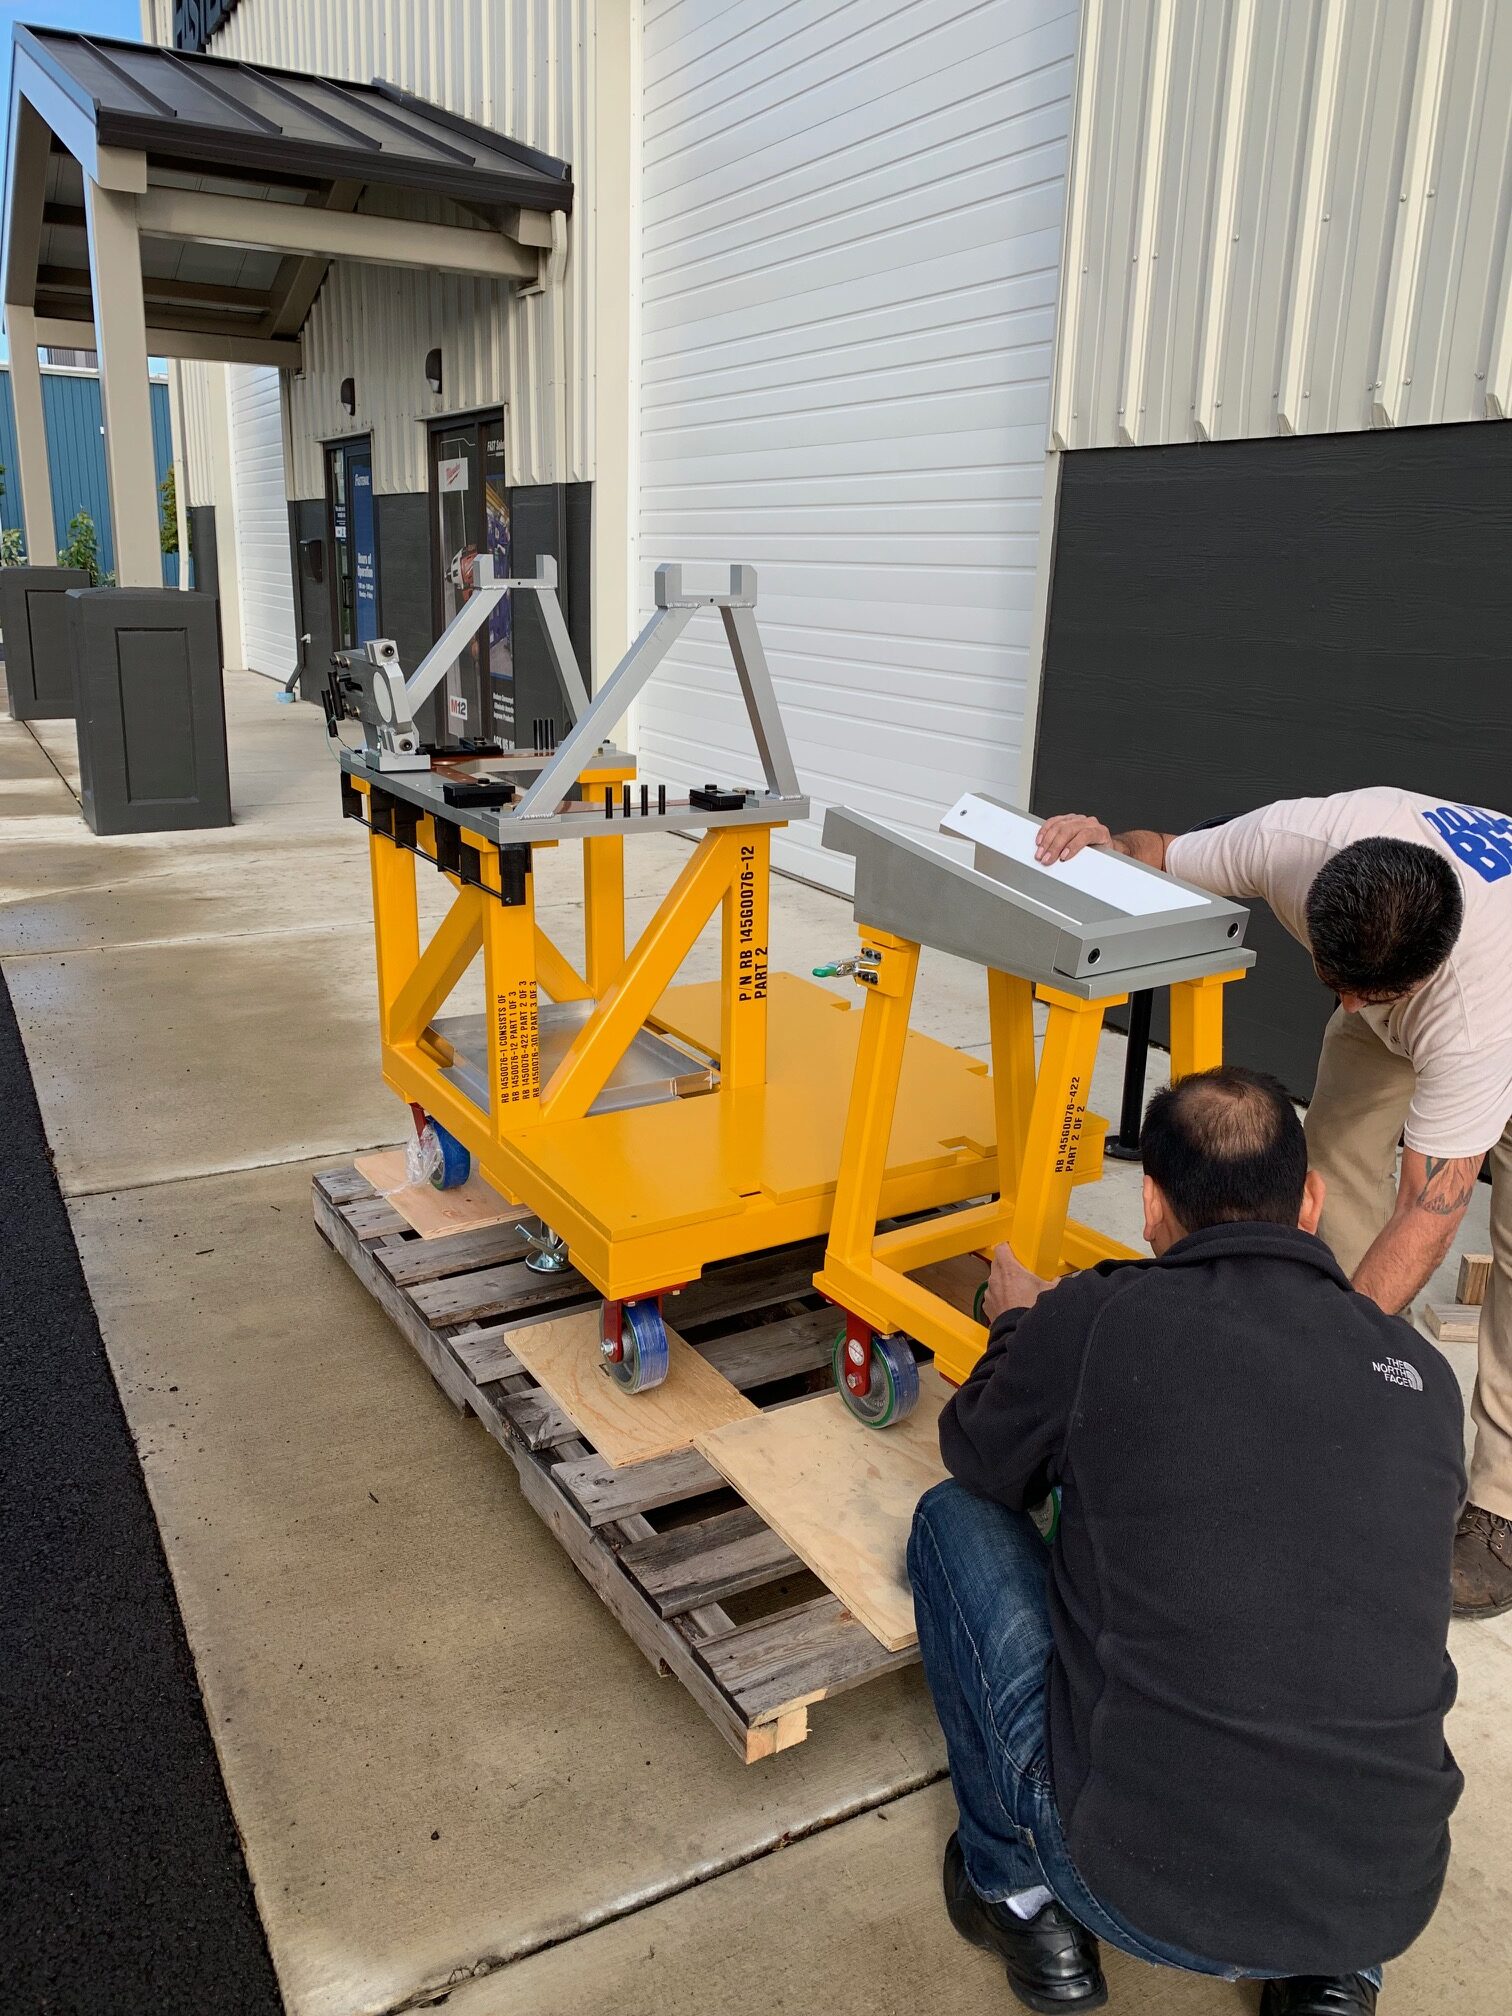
x,y
1076,940
651,1128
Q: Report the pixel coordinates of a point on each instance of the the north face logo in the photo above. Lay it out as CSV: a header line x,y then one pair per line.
x,y
1397,1372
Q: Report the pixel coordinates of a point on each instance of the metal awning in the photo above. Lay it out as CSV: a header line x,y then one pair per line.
x,y
186,206
197,138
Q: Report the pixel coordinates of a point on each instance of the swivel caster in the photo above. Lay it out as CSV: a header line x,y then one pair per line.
x,y
892,1388
445,1163
633,1339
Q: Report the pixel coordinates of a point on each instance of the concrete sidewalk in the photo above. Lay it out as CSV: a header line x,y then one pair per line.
x,y
449,1766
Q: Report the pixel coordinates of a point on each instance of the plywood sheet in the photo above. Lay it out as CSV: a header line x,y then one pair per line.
x,y
626,1428
841,1495
431,1212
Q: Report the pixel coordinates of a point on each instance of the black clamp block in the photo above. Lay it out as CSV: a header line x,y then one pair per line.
x,y
483,792
710,798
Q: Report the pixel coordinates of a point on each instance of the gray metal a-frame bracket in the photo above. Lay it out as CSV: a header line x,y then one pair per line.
x,y
675,608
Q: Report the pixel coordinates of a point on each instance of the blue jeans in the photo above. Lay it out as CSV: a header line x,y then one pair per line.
x,y
978,1573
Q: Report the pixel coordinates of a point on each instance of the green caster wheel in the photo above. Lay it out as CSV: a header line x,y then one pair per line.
x,y
894,1391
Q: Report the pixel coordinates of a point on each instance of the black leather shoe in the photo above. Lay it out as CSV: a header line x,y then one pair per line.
x,y
1319,1995
1052,1962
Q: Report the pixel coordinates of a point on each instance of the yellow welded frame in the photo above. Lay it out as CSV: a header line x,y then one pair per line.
x,y
727,873
1047,1143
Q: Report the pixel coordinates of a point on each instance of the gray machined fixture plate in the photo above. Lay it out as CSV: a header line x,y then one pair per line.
x,y
1023,920
503,826
652,1071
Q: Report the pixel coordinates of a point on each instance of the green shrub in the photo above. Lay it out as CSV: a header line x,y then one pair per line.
x,y
83,550
167,512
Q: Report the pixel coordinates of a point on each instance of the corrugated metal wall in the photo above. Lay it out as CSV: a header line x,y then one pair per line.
x,y
1286,219
76,457
850,241
525,67
199,462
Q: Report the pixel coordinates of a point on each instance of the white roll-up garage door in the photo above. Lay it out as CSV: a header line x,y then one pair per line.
x,y
851,229
261,520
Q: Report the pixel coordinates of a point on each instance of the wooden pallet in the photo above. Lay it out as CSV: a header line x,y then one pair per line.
x,y
700,1582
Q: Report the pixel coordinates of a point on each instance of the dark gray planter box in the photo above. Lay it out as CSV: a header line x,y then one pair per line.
x,y
38,653
150,710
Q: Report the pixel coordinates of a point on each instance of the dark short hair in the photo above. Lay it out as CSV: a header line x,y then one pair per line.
x,y
1226,1146
1382,916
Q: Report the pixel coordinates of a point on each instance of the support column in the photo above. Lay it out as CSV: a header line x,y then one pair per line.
x,y
115,268
31,437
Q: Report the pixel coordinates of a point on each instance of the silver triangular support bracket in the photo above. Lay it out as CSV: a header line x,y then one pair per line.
x,y
675,609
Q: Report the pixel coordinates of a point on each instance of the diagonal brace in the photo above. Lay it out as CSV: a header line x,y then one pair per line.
x,y
644,978
456,942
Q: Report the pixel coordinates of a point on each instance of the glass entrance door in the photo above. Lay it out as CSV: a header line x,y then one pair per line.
x,y
470,513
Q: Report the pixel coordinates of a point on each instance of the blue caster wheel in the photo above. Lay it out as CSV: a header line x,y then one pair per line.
x,y
894,1391
447,1161
644,1348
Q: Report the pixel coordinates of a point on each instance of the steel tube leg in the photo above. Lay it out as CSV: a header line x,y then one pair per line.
x,y
874,1097
1055,1125
1010,1016
743,999
1197,1024
396,922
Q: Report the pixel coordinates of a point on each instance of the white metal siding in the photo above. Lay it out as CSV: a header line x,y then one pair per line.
x,y
526,68
850,240
261,520
196,451
1287,218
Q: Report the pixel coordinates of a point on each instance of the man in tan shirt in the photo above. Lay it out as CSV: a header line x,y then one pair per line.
x,y
1405,903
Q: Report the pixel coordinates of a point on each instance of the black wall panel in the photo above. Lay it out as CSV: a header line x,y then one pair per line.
x,y
310,543
552,518
405,610
1238,622
205,554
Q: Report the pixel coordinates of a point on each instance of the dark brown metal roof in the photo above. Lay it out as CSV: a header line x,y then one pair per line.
x,y
206,112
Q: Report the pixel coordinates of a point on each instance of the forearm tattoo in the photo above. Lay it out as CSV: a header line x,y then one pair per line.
x,y
1447,1187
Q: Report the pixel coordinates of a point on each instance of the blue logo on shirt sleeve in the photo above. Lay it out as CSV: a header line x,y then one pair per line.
x,y
1482,840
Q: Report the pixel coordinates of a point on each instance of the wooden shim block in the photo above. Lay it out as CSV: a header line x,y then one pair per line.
x,y
801,1655
840,1494
456,1252
1474,1279
1452,1324
603,1494
432,1212
785,1349
447,1373
626,1428
699,1563
494,1291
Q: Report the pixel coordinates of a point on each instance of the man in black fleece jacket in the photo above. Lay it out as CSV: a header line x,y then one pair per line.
x,y
1207,1722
